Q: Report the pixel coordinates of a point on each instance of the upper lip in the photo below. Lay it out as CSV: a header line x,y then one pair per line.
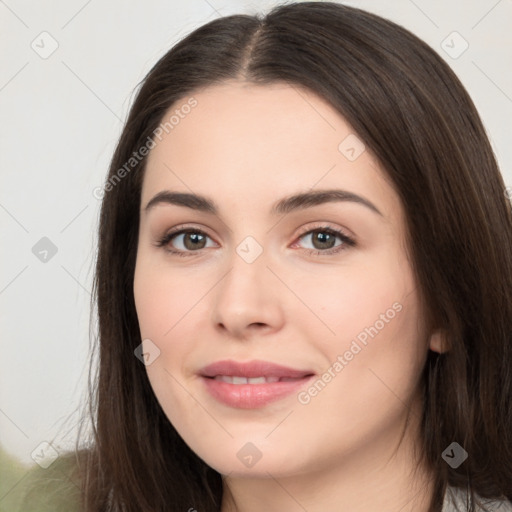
x,y
252,369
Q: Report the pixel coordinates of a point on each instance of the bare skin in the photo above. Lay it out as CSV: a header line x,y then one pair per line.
x,y
247,147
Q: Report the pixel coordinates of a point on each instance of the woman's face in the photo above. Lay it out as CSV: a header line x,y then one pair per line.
x,y
319,285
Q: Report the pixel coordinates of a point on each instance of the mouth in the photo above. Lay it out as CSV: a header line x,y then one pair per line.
x,y
256,369
253,384
252,380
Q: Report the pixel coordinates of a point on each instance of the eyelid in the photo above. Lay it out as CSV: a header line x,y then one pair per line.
x,y
325,225
187,227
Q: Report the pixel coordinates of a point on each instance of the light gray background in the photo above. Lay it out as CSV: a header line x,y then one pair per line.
x,y
60,119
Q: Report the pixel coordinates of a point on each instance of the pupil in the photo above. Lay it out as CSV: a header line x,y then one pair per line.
x,y
324,239
193,236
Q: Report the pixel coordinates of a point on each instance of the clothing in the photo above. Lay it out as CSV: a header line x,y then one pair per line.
x,y
455,500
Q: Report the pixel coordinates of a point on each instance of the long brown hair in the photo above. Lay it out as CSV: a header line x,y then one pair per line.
x,y
409,108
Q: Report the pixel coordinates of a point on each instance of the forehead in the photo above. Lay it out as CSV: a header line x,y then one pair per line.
x,y
257,141
240,120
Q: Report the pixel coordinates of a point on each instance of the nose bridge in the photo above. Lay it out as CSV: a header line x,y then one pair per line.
x,y
248,273
247,294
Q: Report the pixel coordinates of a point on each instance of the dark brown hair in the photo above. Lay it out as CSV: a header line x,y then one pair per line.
x,y
412,112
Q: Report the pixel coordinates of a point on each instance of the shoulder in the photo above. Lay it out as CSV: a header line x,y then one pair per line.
x,y
455,500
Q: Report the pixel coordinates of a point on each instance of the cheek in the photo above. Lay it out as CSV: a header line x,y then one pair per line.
x,y
382,360
173,312
376,347
162,298
367,387
350,301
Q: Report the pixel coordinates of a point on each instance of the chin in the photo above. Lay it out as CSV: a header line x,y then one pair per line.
x,y
248,461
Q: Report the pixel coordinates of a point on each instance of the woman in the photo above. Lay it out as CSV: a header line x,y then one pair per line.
x,y
304,279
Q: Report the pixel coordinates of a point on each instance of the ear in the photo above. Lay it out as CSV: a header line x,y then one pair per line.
x,y
438,342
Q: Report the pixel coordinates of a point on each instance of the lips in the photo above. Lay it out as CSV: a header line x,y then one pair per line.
x,y
253,384
249,380
252,370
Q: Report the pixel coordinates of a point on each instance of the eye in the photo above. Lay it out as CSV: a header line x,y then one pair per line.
x,y
190,239
324,239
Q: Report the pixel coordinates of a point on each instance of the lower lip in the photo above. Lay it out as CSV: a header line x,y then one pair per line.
x,y
252,396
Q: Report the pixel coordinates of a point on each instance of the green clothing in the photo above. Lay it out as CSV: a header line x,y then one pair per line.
x,y
34,489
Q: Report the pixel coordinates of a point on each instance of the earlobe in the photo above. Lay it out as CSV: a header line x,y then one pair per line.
x,y
438,342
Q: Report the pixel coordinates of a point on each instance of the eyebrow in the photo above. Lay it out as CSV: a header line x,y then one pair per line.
x,y
286,205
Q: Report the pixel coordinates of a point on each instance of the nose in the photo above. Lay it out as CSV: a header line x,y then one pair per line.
x,y
249,300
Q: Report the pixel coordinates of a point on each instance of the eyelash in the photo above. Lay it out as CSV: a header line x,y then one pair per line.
x,y
346,240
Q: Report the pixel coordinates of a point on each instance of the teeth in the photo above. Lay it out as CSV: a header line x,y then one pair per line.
x,y
244,380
